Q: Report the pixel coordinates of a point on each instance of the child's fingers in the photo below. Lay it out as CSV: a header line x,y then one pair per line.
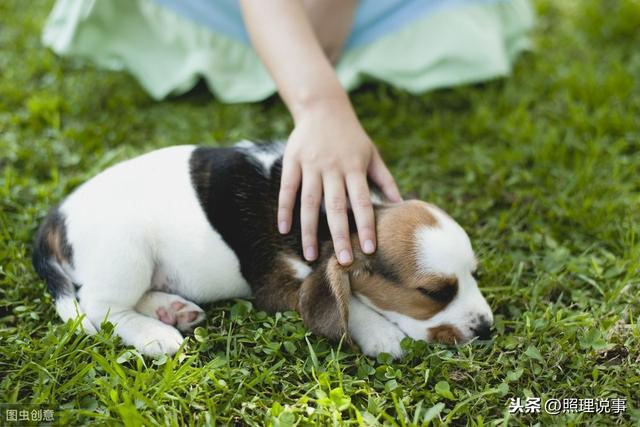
x,y
289,184
335,203
362,210
310,199
380,175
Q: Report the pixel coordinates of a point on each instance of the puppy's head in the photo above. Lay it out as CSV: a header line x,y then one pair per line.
x,y
420,278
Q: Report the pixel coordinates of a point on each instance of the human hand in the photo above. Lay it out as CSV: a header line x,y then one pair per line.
x,y
327,151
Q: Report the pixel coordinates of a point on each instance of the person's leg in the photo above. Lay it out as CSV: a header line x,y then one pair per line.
x,y
331,21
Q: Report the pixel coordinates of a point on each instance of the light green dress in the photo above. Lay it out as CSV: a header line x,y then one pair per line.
x,y
168,51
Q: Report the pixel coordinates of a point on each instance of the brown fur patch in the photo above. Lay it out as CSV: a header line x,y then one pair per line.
x,y
445,334
56,239
339,283
396,229
279,291
324,300
405,299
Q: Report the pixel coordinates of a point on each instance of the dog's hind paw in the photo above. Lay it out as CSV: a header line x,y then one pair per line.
x,y
171,309
159,340
183,315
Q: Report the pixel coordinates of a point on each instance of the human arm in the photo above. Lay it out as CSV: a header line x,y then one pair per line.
x,y
328,151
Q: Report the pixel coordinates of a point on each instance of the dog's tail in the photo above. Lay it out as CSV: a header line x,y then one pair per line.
x,y
51,252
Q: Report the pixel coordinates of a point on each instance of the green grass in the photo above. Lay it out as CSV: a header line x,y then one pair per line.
x,y
542,169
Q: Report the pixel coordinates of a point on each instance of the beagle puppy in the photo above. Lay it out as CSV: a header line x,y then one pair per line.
x,y
145,241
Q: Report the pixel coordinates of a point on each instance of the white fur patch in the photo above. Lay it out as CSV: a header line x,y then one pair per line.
x,y
300,268
375,198
265,156
245,144
67,308
444,248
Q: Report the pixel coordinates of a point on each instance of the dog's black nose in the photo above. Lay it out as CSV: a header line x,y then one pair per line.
x,y
483,331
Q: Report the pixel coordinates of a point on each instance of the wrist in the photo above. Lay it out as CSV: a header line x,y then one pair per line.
x,y
313,105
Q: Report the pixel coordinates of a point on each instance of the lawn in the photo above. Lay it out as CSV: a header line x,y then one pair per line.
x,y
542,169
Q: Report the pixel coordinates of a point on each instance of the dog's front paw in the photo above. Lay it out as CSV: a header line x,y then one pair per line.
x,y
373,333
382,340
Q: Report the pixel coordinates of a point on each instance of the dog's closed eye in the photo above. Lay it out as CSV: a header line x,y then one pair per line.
x,y
443,294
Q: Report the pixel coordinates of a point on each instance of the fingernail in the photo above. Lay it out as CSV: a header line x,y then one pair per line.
x,y
282,227
310,253
344,257
368,247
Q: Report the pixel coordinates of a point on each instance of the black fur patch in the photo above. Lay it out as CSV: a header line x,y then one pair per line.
x,y
50,249
241,201
444,293
381,267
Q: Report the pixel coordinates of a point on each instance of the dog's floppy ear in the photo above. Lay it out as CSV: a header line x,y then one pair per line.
x,y
323,300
